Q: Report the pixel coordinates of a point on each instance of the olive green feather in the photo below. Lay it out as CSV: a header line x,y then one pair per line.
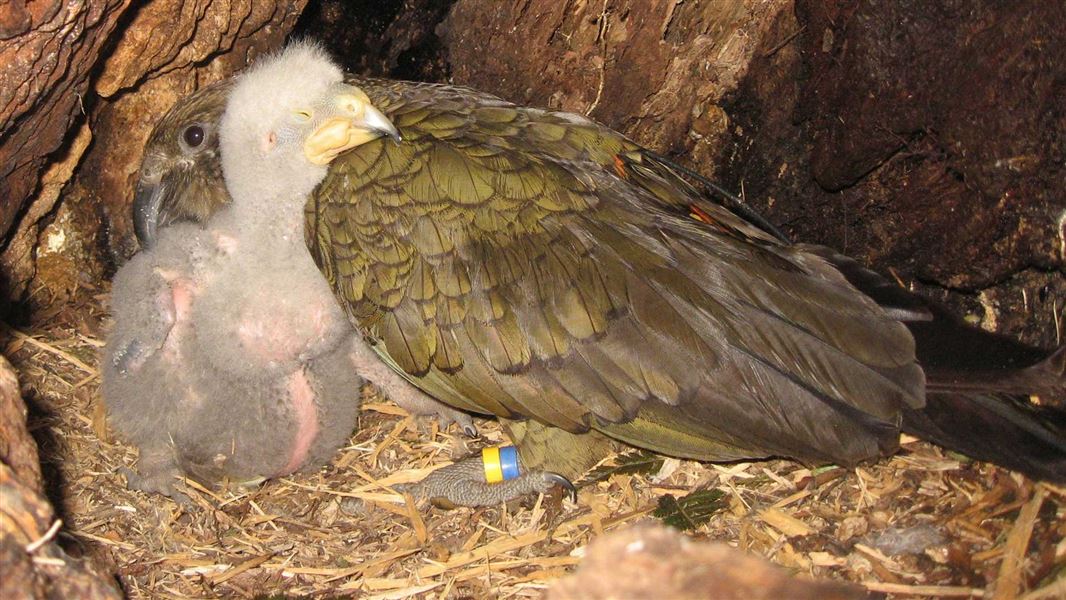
x,y
534,264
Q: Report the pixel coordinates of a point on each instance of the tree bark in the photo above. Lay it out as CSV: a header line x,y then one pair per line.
x,y
32,565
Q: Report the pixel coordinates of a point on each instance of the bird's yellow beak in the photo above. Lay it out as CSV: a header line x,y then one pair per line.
x,y
354,121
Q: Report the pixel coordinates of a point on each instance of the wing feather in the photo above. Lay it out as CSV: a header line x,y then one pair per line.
x,y
533,264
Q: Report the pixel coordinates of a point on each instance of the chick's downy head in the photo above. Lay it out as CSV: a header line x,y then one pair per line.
x,y
287,117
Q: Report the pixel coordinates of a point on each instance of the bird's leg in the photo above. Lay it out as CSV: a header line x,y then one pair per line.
x,y
370,366
553,449
549,457
416,402
157,470
465,484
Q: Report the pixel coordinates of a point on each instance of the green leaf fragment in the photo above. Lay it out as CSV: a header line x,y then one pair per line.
x,y
689,512
626,463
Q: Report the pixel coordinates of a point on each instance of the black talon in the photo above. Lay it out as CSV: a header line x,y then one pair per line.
x,y
562,482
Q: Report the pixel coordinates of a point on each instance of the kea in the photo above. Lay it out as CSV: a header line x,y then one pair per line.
x,y
230,357
542,268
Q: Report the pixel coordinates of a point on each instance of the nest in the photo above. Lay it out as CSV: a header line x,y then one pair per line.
x,y
923,523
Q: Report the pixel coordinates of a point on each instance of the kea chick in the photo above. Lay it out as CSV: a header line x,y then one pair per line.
x,y
230,357
207,419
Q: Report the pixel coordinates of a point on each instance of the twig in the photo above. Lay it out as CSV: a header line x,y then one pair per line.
x,y
44,539
48,348
389,439
1009,580
936,591
241,567
783,43
1055,589
601,36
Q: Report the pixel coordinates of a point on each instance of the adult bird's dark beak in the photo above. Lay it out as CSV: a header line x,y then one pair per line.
x,y
147,201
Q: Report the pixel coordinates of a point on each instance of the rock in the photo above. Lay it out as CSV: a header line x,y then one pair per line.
x,y
652,561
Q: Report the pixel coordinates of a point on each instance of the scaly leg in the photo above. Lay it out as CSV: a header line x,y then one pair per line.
x,y
549,456
465,484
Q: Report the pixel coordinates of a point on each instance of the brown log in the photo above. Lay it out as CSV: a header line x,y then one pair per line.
x,y
924,138
47,52
147,73
921,137
32,565
656,71
18,450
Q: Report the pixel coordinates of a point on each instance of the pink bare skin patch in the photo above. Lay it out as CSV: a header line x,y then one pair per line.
x,y
227,244
272,332
303,411
175,304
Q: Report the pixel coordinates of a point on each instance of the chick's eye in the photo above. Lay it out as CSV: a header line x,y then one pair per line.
x,y
302,115
193,135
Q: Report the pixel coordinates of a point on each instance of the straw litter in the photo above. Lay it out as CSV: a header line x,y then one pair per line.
x,y
923,523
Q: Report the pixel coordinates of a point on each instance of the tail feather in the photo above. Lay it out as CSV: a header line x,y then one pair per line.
x,y
979,385
991,416
997,429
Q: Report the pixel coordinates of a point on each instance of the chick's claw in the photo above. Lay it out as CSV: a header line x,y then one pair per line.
x,y
131,357
157,471
419,404
405,394
160,482
447,415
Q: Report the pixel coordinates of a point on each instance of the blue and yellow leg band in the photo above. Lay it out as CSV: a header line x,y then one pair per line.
x,y
501,463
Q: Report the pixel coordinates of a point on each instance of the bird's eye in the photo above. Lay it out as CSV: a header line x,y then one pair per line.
x,y
193,135
302,115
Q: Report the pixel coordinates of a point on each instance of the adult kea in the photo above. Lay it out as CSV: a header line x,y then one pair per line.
x,y
539,267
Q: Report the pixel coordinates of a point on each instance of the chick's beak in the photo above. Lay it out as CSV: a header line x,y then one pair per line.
x,y
354,121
